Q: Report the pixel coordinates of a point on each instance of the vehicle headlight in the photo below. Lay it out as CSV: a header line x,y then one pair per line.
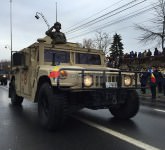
x,y
4,76
127,80
88,80
63,74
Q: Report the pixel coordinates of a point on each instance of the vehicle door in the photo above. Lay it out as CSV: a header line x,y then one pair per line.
x,y
26,74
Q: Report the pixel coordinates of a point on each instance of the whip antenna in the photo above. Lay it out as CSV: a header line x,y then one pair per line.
x,y
56,11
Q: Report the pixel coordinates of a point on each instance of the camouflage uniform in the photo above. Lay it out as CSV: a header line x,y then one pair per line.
x,y
57,36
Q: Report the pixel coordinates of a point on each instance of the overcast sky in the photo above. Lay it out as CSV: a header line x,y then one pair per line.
x,y
72,13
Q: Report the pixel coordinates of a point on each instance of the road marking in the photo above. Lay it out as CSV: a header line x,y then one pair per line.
x,y
160,110
121,136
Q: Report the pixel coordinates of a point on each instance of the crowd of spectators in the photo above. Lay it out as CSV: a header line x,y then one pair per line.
x,y
133,55
145,53
144,58
156,80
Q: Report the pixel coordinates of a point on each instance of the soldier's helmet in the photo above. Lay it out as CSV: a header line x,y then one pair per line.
x,y
57,24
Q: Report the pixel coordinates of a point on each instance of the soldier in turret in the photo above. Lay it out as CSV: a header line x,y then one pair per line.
x,y
56,36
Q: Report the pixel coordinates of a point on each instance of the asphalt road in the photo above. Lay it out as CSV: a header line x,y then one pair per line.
x,y
85,130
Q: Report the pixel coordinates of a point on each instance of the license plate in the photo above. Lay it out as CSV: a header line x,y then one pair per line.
x,y
111,84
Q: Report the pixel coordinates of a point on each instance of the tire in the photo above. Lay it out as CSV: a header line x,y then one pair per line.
x,y
52,108
15,99
129,109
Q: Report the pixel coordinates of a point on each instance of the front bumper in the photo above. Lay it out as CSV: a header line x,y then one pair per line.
x,y
99,99
99,83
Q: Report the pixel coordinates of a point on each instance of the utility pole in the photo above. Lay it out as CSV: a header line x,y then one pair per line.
x,y
11,34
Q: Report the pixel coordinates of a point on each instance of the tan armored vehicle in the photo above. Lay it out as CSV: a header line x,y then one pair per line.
x,y
63,78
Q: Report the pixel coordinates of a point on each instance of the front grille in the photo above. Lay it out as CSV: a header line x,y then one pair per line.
x,y
99,81
101,78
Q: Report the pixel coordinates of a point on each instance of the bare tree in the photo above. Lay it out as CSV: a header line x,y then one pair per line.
x,y
88,43
102,41
157,30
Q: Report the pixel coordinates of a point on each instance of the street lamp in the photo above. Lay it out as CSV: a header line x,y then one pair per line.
x,y
37,17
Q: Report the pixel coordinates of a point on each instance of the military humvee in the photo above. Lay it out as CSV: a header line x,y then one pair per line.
x,y
65,78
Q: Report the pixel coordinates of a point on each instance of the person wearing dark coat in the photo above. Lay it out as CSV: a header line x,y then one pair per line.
x,y
163,82
159,78
156,52
143,81
152,83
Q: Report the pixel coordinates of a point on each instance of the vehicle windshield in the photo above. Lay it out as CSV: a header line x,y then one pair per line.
x,y
84,58
59,56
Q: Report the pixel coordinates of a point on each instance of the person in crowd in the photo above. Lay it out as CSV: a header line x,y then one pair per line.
x,y
143,80
156,52
149,53
131,54
145,53
139,57
152,82
135,55
159,78
163,79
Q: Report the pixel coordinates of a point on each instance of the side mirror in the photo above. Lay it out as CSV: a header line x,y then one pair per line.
x,y
18,59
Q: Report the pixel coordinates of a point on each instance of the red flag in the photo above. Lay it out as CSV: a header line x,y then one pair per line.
x,y
153,79
55,73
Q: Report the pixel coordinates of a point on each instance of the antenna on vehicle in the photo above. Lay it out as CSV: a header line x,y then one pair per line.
x,y
56,11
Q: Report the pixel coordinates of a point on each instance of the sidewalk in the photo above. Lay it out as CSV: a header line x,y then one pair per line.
x,y
147,98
